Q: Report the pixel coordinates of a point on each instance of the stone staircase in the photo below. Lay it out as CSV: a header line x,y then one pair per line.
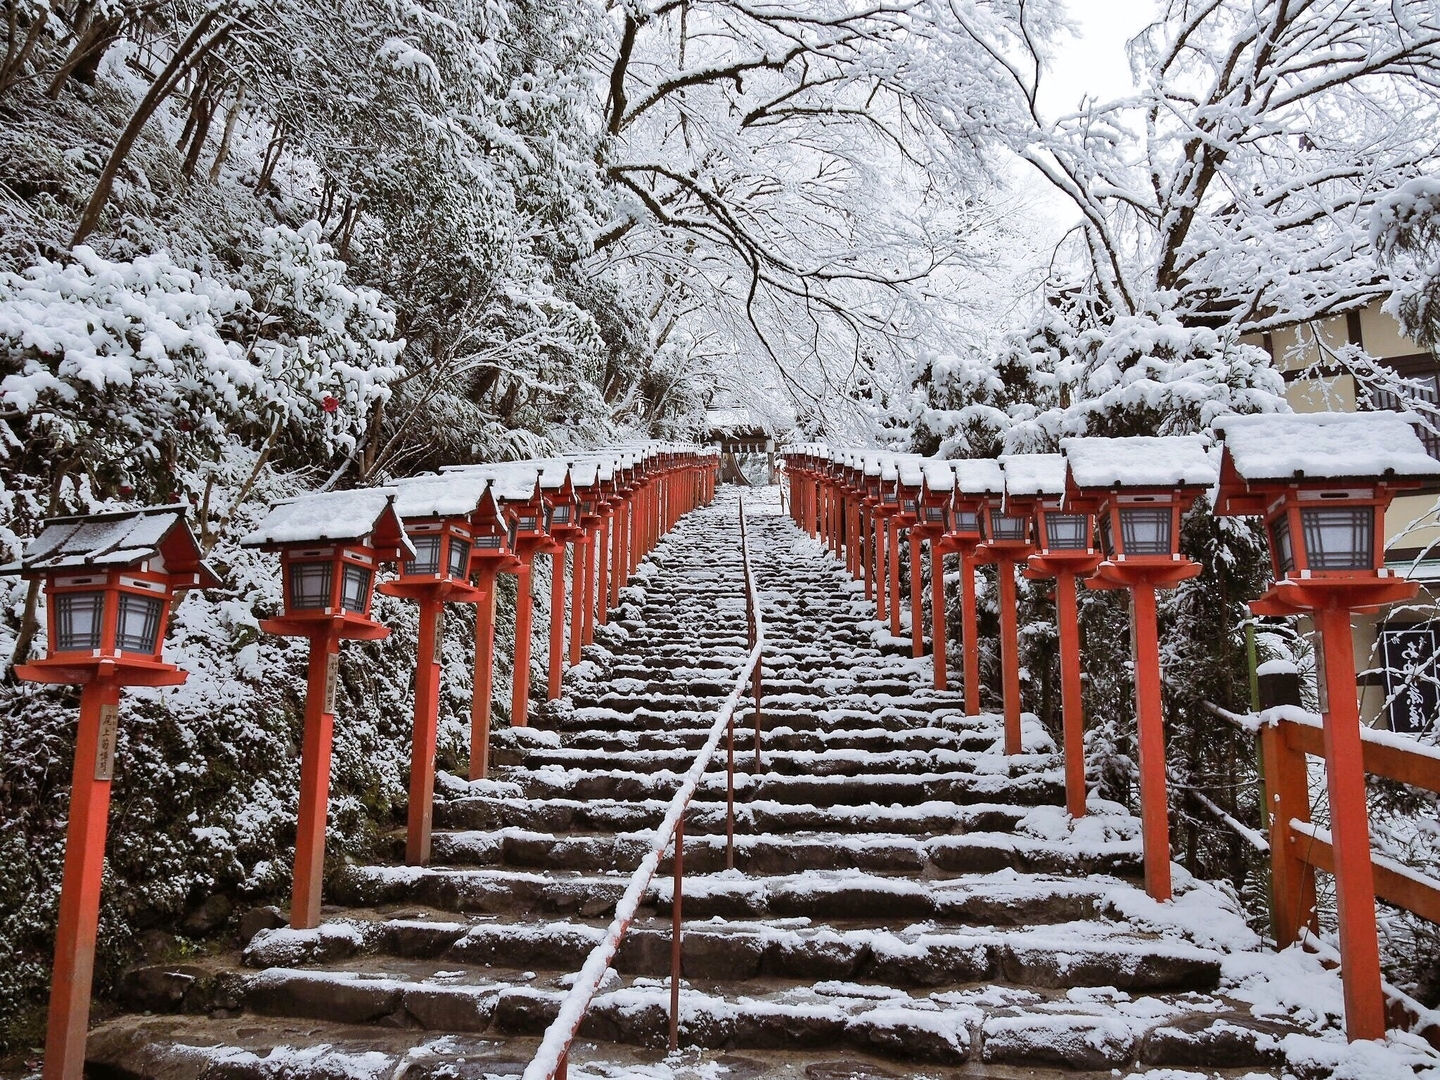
x,y
905,901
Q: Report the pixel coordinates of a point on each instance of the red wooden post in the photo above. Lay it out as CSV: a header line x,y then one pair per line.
x,y
315,777
892,543
1350,832
937,609
1150,726
556,656
881,574
69,1017
917,589
1009,653
1072,702
581,601
524,611
602,573
619,556
422,751
484,688
970,618
868,554
1292,879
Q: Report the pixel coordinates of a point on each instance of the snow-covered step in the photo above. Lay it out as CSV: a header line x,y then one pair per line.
x,y
774,854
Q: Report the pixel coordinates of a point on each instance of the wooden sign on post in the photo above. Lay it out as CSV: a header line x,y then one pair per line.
x,y
105,744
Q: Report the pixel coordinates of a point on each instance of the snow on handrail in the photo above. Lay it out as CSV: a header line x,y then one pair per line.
x,y
554,1047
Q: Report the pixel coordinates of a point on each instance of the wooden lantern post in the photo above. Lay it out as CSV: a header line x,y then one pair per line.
x,y
936,494
530,539
110,581
438,513
1138,488
493,553
872,542
589,494
1007,545
1321,483
976,481
562,512
909,487
1065,551
331,545
888,512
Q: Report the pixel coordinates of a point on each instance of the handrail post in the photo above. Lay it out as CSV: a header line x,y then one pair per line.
x,y
675,902
730,792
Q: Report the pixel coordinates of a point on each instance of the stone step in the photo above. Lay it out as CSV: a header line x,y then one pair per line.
x,y
482,812
783,736
1060,956
828,1037
838,761
819,895
974,853
1015,785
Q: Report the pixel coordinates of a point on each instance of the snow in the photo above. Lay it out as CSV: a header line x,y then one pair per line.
x,y
121,539
978,476
323,516
1325,446
455,494
1033,474
1140,461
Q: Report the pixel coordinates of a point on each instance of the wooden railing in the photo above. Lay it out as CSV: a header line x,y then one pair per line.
x,y
552,1056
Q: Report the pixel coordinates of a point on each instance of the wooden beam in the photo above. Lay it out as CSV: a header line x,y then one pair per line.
x,y
1416,765
1395,883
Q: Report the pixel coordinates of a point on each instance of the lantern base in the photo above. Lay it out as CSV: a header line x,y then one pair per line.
x,y
1159,573
1054,563
346,626
458,592
1299,596
123,670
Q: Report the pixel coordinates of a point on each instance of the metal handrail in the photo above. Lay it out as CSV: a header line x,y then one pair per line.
x,y
552,1056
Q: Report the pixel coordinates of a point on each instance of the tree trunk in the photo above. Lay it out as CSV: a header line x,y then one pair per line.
x,y
204,111
194,48
271,159
17,54
228,134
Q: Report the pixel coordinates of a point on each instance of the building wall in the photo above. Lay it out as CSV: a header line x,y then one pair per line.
x,y
1315,384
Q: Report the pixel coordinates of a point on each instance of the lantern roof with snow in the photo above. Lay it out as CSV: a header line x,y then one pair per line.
x,y
939,476
440,495
911,472
1321,448
1155,462
118,540
978,476
1033,476
364,516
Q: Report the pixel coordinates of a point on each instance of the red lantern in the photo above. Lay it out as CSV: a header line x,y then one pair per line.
x,y
1138,489
331,547
110,581
1321,484
1064,550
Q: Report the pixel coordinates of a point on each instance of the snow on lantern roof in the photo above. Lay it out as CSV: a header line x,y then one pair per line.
x,y
455,494
1031,475
118,539
514,481
1325,446
363,515
939,476
978,476
888,472
1140,461
911,471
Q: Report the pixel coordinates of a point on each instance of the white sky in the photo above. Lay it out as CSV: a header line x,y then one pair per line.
x,y
1095,63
